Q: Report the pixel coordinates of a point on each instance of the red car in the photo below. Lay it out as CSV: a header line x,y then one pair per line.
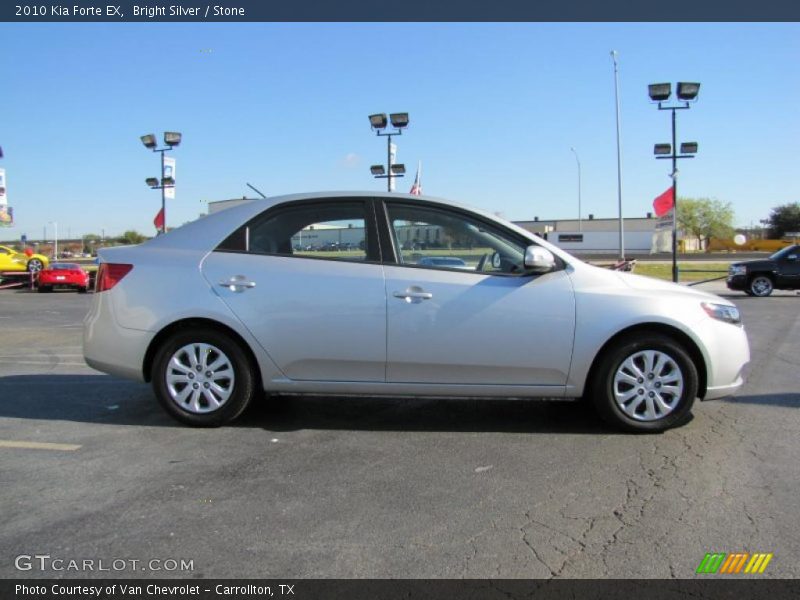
x,y
68,275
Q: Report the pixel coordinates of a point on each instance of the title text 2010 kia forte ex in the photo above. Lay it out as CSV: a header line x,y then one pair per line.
x,y
390,294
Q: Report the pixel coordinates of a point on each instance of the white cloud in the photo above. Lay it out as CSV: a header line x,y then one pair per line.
x,y
350,160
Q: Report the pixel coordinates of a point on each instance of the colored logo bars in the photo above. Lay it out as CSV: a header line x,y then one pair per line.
x,y
722,563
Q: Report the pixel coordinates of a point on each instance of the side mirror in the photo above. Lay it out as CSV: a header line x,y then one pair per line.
x,y
538,259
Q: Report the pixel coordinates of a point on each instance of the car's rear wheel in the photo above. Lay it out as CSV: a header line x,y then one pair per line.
x,y
35,265
81,290
761,285
645,383
203,378
45,288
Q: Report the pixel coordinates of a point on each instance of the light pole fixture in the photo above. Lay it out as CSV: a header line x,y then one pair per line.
x,y
171,140
578,160
686,93
379,122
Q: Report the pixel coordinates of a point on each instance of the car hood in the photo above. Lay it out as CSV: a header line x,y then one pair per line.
x,y
643,285
762,263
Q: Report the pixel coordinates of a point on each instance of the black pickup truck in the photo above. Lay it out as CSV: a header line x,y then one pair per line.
x,y
781,271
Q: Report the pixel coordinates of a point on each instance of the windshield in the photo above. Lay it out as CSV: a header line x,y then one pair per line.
x,y
781,253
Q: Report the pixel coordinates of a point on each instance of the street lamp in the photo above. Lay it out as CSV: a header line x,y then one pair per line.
x,y
578,160
378,122
171,140
687,93
614,54
55,238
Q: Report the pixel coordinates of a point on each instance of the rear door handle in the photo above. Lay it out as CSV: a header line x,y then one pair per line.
x,y
238,283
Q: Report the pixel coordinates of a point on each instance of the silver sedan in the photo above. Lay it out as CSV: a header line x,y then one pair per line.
x,y
335,294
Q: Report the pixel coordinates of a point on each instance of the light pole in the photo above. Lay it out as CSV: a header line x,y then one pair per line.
x,y
687,92
578,160
55,238
171,139
614,54
378,123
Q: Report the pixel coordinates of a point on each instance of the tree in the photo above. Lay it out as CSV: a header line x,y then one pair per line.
x,y
783,219
705,218
90,242
132,237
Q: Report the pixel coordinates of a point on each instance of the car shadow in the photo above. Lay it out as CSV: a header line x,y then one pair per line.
x,y
788,400
292,413
103,399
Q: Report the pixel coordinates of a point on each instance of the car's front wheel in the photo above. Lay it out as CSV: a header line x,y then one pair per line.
x,y
203,378
35,265
761,285
645,383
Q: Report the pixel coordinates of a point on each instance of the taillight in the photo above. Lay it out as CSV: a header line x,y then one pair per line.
x,y
109,275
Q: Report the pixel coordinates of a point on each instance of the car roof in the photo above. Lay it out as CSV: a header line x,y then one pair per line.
x,y
208,232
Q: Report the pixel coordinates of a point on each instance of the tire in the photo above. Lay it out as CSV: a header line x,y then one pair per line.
x,y
81,290
34,265
45,288
748,292
623,371
761,285
234,381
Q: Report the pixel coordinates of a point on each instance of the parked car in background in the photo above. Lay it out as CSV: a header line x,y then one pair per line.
x,y
11,260
216,310
63,275
781,271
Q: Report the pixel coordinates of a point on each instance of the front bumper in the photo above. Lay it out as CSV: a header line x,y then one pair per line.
x,y
728,354
736,282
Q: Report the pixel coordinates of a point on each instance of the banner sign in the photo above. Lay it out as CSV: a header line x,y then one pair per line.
x,y
6,216
169,171
664,222
3,197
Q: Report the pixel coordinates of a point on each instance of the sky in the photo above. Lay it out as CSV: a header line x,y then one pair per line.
x,y
494,110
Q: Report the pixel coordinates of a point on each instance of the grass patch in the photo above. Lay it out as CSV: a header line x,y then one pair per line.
x,y
664,270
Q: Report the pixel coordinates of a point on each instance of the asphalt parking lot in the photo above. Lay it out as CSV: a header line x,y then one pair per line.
x,y
91,468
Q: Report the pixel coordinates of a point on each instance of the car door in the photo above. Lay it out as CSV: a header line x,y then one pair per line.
x,y
318,311
485,321
789,269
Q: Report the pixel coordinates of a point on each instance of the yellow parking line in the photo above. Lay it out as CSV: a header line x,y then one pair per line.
x,y
38,445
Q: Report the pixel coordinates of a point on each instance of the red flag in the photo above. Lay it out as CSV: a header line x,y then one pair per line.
x,y
416,189
664,203
159,220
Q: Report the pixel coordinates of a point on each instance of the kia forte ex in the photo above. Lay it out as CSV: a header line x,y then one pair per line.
x,y
334,294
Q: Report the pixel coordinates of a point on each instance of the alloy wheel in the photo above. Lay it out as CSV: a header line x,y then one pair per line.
x,y
648,385
199,378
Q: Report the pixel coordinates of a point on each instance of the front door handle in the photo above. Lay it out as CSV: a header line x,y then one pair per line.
x,y
413,294
238,283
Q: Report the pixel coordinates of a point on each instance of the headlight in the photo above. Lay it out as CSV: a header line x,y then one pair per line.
x,y
722,312
737,270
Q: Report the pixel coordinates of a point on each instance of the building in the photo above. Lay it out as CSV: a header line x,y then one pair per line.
x,y
598,236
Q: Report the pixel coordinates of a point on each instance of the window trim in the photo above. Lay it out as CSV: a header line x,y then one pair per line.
x,y
373,247
386,232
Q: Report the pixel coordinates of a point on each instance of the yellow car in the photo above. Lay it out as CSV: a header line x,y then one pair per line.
x,y
11,260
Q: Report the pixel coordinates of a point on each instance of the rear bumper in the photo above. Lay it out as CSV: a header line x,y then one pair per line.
x,y
110,348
